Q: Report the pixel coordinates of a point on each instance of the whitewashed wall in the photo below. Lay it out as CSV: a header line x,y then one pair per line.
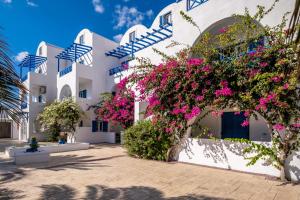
x,y
229,155
35,80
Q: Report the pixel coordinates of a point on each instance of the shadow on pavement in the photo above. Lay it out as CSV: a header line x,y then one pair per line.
x,y
93,192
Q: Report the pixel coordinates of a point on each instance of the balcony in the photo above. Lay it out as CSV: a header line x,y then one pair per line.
x,y
74,53
30,62
65,71
118,69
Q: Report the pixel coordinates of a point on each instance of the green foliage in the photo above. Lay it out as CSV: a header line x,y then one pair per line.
x,y
60,116
12,90
259,151
145,141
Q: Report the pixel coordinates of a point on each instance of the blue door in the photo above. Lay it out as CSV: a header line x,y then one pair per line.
x,y
231,126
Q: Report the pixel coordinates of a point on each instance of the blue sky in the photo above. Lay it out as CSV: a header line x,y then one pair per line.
x,y
27,22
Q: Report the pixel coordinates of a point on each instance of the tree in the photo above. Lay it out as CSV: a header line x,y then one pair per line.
x,y
61,116
118,108
10,86
249,67
49,120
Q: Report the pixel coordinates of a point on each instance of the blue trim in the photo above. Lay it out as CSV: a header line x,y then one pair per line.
x,y
31,62
122,67
154,37
73,52
191,4
24,78
65,71
24,105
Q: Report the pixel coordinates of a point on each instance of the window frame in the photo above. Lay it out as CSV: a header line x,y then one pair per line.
x,y
132,36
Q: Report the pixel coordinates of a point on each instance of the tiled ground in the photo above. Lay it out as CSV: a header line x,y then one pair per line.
x,y
106,172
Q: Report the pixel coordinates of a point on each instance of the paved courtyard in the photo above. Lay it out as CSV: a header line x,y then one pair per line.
x,y
106,172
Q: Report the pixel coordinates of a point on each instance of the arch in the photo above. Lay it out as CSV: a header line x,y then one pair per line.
x,y
65,92
214,28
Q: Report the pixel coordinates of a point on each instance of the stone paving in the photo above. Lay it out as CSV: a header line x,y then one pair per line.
x,y
106,172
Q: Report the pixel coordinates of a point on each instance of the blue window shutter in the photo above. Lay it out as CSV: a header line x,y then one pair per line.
x,y
105,126
94,126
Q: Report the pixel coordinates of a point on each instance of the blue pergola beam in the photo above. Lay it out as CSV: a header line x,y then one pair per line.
x,y
143,42
74,52
191,4
32,61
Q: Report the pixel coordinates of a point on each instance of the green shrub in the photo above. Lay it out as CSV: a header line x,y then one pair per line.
x,y
145,141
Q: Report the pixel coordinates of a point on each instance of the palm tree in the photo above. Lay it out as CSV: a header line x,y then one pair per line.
x,y
12,90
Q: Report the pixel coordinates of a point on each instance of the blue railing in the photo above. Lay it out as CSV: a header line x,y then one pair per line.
x,y
65,71
24,78
118,69
24,105
191,4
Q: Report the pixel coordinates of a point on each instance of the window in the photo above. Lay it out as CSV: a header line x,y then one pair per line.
x,y
40,51
81,39
166,19
132,36
83,94
99,126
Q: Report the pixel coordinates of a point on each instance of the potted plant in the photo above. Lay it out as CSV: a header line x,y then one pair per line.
x,y
33,145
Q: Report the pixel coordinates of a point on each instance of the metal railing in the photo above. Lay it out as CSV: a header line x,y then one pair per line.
x,y
65,71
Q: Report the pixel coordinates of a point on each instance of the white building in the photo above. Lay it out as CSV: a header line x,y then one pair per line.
x,y
93,64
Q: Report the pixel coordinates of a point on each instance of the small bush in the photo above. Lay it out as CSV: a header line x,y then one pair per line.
x,y
145,141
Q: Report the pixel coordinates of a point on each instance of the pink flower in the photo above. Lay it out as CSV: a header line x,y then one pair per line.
x,y
195,61
200,98
177,86
224,83
263,64
253,72
125,66
296,125
223,92
172,63
123,83
153,101
216,113
279,127
246,113
195,111
176,111
276,79
223,30
206,68
195,85
286,86
245,123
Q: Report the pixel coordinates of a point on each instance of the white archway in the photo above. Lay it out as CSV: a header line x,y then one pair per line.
x,y
65,92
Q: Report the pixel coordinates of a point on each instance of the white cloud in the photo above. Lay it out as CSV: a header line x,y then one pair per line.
x,y
118,37
31,3
7,1
21,56
129,16
149,13
98,6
